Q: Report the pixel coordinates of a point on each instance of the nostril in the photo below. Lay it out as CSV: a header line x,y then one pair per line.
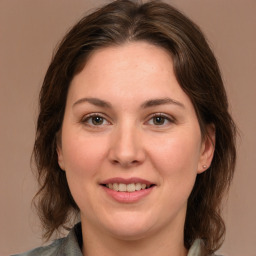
x,y
115,162
125,163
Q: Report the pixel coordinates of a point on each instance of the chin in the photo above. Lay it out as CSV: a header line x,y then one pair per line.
x,y
130,234
130,228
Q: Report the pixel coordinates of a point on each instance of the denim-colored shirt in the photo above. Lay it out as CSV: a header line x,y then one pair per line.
x,y
72,244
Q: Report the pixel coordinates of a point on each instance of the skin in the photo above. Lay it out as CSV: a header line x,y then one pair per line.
x,y
128,142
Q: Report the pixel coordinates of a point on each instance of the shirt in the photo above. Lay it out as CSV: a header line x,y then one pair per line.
x,y
72,244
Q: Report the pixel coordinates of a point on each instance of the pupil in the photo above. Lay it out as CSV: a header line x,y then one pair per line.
x,y
159,120
97,120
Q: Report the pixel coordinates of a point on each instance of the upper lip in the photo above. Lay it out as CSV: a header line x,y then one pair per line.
x,y
126,181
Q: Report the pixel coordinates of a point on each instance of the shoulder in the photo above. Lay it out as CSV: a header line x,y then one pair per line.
x,y
197,249
67,246
49,250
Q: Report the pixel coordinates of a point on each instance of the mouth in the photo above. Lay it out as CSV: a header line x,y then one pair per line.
x,y
127,190
130,187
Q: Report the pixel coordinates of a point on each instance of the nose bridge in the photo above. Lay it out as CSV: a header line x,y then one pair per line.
x,y
126,146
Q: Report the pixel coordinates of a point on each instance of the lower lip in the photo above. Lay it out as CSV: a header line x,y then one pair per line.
x,y
128,197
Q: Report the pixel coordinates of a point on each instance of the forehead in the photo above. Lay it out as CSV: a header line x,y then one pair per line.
x,y
135,53
136,64
127,76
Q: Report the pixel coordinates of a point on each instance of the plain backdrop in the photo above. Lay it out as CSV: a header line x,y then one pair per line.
x,y
29,31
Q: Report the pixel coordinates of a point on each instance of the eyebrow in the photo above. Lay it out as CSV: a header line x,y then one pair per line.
x,y
163,101
147,104
94,101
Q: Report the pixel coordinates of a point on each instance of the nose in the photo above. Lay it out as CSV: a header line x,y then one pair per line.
x,y
126,147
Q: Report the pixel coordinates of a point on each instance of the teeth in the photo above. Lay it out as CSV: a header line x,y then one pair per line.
x,y
115,186
122,187
143,186
138,186
132,187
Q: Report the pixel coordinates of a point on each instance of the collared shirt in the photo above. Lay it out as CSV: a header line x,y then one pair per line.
x,y
71,246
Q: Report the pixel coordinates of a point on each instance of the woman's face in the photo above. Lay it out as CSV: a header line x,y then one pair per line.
x,y
129,126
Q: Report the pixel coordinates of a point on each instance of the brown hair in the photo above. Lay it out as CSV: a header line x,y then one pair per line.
x,y
198,74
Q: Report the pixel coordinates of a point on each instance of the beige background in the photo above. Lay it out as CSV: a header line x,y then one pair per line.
x,y
29,31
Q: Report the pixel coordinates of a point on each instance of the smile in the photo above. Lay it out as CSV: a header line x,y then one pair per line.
x,y
132,187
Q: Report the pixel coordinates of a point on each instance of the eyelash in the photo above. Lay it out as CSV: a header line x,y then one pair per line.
x,y
161,115
85,119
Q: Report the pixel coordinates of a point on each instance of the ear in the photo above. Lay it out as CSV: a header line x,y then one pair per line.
x,y
59,151
207,149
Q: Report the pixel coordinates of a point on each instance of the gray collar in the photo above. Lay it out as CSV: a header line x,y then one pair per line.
x,y
72,244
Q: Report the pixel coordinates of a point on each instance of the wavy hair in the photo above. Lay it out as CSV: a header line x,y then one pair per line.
x,y
198,74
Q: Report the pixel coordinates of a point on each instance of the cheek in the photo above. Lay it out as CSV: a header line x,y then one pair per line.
x,y
83,158
177,155
82,155
176,161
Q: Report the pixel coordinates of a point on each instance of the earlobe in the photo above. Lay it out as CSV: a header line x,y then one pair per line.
x,y
59,152
60,158
207,149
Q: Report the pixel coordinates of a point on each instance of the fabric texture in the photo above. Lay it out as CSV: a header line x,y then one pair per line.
x,y
71,246
67,246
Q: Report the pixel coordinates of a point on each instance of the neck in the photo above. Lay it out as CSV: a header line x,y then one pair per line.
x,y
164,243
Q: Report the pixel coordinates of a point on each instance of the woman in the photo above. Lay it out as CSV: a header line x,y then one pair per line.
x,y
134,135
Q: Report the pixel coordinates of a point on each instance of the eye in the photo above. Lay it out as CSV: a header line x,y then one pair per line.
x,y
160,120
95,120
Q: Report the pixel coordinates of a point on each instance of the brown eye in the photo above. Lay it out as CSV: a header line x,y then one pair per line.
x,y
159,120
94,120
97,120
